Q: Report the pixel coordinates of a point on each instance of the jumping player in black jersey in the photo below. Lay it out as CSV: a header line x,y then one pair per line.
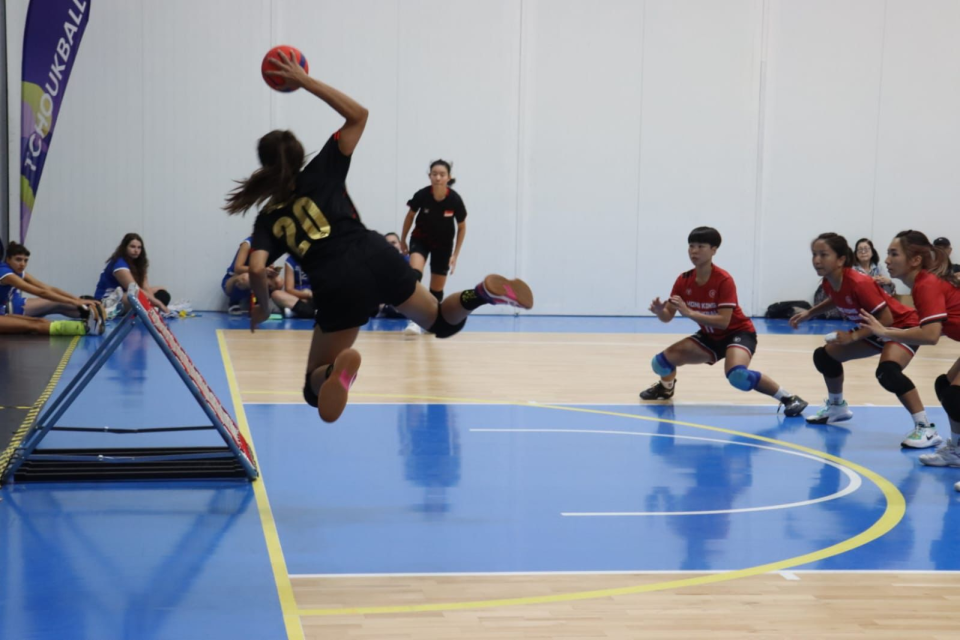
x,y
439,212
308,213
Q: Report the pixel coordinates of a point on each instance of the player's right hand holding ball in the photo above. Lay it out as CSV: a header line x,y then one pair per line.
x,y
289,70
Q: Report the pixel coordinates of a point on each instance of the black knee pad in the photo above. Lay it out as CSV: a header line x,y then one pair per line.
x,y
826,365
951,402
941,385
163,296
890,376
308,395
419,274
443,329
437,294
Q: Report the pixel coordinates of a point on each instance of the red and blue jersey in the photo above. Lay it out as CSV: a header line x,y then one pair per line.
x,y
718,292
860,291
937,300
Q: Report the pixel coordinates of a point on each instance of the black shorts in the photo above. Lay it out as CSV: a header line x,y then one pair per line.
x,y
746,340
439,253
880,343
350,285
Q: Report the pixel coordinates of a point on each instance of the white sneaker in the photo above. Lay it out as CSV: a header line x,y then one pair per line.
x,y
831,413
957,486
111,303
946,455
922,437
412,329
94,323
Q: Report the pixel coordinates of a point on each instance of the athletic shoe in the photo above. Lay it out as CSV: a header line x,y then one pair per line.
x,y
412,329
793,406
100,312
499,290
658,391
332,398
236,310
922,437
946,455
94,324
831,413
957,486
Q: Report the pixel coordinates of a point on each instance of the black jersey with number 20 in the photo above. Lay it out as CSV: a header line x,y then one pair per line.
x,y
319,218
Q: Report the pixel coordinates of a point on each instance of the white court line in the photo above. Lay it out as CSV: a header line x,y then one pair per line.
x,y
639,572
854,478
789,575
554,343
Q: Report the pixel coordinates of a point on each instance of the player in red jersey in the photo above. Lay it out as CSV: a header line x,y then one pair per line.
x,y
708,296
936,294
849,291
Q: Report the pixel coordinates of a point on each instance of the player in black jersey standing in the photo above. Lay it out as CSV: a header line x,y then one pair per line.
x,y
439,212
309,214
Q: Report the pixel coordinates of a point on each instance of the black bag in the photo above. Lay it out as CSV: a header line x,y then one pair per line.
x,y
786,310
832,314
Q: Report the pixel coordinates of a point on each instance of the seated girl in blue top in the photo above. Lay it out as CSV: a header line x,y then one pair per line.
x,y
296,296
127,265
236,282
19,315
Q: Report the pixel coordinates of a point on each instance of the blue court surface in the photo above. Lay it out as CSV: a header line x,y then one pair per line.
x,y
448,488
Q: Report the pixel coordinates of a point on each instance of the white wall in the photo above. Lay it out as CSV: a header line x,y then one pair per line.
x,y
588,136
699,139
918,165
822,90
580,154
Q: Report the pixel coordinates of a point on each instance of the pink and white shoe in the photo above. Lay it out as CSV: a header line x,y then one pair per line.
x,y
332,397
496,289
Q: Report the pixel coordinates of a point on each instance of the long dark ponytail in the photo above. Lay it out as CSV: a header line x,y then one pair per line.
x,y
935,259
281,158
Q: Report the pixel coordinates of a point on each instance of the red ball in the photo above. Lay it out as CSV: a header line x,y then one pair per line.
x,y
276,82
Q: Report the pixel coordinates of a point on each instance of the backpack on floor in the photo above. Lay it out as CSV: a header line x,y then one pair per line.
x,y
833,314
786,310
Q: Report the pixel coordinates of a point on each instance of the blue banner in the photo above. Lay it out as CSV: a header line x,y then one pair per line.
x,y
51,39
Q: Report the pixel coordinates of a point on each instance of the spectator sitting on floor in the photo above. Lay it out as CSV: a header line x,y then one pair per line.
x,y
296,296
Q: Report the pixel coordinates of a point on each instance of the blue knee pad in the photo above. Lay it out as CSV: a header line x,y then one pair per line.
x,y
661,366
742,378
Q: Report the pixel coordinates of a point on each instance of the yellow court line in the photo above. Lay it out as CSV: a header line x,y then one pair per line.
x,y
894,512
288,603
34,410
